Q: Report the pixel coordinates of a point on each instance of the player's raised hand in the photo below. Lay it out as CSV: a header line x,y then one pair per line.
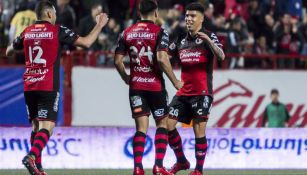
x,y
178,84
203,36
102,19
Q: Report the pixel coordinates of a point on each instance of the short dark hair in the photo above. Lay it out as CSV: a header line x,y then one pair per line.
x,y
96,4
41,6
147,6
195,6
274,91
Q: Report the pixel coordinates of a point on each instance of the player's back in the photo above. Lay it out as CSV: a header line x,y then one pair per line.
x,y
142,41
41,48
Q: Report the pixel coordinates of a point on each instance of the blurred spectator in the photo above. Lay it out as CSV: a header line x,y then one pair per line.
x,y
236,8
294,8
209,23
235,41
2,27
119,11
22,19
87,23
289,40
112,31
276,113
65,14
284,34
174,23
303,29
266,30
254,16
219,7
260,47
108,41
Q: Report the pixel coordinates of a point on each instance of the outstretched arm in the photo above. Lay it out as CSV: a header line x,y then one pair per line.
x,y
87,41
166,67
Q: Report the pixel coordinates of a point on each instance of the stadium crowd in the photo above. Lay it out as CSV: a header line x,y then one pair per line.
x,y
243,26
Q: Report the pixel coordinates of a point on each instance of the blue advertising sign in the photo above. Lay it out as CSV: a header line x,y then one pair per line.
x,y
12,104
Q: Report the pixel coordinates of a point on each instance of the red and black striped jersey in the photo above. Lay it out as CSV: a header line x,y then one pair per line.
x,y
196,59
41,43
142,41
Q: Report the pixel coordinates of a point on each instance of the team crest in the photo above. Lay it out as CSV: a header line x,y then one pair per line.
x,y
172,46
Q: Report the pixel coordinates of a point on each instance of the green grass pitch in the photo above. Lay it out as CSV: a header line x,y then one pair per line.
x,y
148,172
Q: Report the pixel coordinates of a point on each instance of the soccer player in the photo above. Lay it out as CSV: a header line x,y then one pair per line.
x,y
193,101
41,43
147,45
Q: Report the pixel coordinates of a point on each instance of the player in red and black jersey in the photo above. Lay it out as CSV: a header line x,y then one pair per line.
x,y
147,45
41,43
193,101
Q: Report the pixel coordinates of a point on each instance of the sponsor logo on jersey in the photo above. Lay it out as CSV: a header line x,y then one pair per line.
x,y
36,71
39,25
137,29
142,25
36,30
143,80
142,69
39,35
141,35
189,54
35,79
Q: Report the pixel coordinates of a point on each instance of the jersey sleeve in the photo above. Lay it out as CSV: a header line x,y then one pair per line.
x,y
215,40
15,19
67,36
18,42
163,41
121,46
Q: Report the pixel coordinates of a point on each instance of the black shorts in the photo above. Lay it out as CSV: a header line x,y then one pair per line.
x,y
185,108
144,102
42,105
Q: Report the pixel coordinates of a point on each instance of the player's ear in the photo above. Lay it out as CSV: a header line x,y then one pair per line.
x,y
48,13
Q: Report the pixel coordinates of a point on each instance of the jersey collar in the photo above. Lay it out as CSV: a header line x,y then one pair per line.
x,y
147,21
42,22
192,38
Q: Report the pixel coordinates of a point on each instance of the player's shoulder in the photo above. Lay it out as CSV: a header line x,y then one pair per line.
x,y
209,33
61,28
